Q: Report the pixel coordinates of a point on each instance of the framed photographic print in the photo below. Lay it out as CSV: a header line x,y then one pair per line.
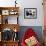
x,y
5,12
13,12
30,13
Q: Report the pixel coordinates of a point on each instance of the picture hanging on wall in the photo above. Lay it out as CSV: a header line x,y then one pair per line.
x,y
30,13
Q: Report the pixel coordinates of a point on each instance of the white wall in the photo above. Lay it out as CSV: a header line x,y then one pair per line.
x,y
31,4
27,4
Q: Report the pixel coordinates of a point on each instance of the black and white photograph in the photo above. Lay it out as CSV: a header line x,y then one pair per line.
x,y
30,13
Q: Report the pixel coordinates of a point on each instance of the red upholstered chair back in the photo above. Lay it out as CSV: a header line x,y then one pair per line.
x,y
29,33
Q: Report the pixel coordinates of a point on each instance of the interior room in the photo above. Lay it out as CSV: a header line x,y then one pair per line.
x,y
22,22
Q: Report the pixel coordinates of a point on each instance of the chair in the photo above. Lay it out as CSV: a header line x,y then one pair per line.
x,y
29,33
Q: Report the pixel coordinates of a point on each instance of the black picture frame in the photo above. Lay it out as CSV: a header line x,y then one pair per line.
x,y
30,13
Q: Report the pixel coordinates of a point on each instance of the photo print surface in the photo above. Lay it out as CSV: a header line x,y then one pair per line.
x,y
30,13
